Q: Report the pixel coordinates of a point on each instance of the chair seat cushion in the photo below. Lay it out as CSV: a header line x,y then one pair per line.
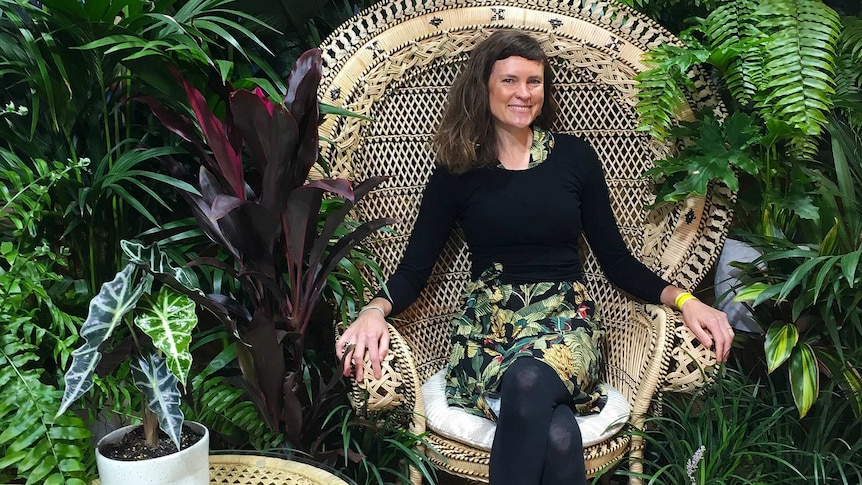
x,y
478,432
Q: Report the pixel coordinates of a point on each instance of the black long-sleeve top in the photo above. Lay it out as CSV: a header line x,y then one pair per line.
x,y
527,220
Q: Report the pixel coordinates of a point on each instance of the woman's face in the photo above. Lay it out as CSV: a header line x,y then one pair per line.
x,y
516,91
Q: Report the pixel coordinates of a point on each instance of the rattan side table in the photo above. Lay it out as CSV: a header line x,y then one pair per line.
x,y
264,470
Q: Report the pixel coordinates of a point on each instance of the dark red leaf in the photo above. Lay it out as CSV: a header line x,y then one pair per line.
x,y
281,177
222,205
268,359
336,218
227,157
292,411
253,119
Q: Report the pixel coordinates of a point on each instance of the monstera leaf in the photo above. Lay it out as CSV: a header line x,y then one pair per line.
x,y
169,319
159,385
116,298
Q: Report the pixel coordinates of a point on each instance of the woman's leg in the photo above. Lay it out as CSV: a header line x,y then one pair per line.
x,y
564,461
530,392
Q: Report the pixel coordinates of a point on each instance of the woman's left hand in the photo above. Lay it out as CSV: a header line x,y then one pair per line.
x,y
710,326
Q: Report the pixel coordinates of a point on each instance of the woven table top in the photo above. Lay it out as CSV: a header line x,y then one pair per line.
x,y
261,470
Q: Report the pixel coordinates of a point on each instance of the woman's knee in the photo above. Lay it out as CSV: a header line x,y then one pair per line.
x,y
564,434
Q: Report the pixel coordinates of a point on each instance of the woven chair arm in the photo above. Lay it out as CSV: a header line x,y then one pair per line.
x,y
692,365
656,362
397,390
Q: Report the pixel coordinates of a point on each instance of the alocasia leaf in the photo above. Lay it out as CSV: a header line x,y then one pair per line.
x,y
116,298
159,385
169,319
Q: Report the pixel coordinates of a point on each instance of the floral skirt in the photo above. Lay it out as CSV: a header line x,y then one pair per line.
x,y
555,323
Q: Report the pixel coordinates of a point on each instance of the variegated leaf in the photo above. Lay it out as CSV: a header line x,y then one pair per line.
x,y
159,385
804,378
116,298
780,342
152,258
169,319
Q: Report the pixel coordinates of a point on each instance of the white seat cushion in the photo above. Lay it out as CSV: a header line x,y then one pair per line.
x,y
478,432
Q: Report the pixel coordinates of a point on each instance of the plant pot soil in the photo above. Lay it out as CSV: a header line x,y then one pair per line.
x,y
188,466
134,446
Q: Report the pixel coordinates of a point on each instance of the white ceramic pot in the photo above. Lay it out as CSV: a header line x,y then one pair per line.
x,y
186,467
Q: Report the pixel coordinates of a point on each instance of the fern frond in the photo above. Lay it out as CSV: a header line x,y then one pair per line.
x,y
661,100
227,410
35,446
850,42
800,50
736,48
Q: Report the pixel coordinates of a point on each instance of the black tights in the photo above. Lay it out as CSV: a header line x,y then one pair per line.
x,y
538,440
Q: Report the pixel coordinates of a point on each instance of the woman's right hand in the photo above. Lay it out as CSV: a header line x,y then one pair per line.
x,y
368,334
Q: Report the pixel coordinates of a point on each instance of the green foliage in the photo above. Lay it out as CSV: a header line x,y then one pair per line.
x,y
168,319
76,65
722,435
798,66
376,449
35,445
736,48
227,411
36,335
717,152
808,295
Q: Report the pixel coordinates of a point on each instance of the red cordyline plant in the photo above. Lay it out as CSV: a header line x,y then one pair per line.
x,y
281,259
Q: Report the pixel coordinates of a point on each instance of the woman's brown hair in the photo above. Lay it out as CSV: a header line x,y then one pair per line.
x,y
466,137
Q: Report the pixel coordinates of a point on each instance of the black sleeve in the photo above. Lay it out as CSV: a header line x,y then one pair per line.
x,y
437,214
603,234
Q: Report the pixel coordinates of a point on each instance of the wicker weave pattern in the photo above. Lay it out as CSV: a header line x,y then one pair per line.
x,y
259,470
394,63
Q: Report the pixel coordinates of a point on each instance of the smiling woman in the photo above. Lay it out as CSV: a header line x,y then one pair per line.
x,y
516,93
525,344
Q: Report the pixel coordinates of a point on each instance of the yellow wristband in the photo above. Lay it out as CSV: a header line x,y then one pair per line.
x,y
682,298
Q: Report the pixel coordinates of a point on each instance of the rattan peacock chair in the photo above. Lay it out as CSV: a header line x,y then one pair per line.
x,y
393,63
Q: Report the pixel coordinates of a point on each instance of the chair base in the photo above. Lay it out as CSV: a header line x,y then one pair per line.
x,y
471,463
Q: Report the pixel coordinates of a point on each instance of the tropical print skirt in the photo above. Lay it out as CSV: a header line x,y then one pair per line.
x,y
555,323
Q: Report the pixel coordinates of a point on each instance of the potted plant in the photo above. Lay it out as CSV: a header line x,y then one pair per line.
x,y
159,320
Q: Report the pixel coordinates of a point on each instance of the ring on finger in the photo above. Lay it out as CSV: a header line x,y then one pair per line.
x,y
347,347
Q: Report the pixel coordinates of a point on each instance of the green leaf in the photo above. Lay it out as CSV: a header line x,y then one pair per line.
x,y
780,342
159,385
169,319
751,292
804,378
116,298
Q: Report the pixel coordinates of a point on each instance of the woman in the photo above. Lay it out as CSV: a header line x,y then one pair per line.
x,y
525,347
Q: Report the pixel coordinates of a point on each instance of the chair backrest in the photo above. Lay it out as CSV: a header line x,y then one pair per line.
x,y
394,63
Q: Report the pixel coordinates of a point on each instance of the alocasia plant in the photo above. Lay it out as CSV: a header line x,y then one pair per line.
x,y
271,230
167,317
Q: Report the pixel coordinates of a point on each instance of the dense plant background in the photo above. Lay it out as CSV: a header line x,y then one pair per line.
x,y
85,164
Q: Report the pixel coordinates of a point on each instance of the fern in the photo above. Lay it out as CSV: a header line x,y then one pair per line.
x,y
660,95
848,71
226,410
736,48
35,446
800,49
